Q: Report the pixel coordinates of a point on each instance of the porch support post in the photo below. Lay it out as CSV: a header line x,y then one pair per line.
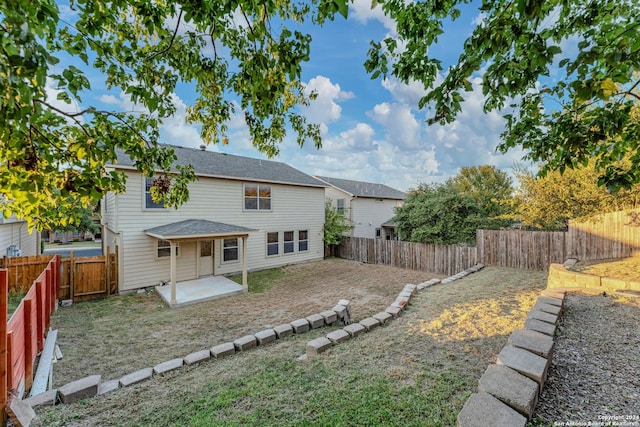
x,y
173,247
244,263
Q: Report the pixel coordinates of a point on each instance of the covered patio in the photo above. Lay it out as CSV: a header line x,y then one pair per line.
x,y
202,288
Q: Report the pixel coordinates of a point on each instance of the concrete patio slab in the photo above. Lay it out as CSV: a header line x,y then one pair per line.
x,y
200,290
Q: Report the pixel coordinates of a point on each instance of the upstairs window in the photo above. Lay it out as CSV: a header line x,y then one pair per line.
x,y
257,197
340,206
148,201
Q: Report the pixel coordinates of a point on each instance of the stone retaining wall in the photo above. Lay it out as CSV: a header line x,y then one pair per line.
x,y
508,391
561,277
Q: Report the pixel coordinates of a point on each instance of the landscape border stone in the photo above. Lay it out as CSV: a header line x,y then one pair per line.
x,y
283,331
245,343
354,329
300,326
108,386
521,369
266,336
79,389
197,357
510,387
482,410
315,321
370,323
222,350
136,377
383,317
168,366
48,398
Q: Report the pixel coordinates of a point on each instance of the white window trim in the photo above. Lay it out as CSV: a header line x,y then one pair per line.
x,y
303,240
292,241
178,251
244,208
266,246
234,261
144,197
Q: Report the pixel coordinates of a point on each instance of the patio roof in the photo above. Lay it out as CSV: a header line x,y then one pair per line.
x,y
196,229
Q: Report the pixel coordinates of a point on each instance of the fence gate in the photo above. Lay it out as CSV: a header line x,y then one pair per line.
x,y
81,278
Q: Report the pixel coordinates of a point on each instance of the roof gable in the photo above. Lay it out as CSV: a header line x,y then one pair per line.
x,y
363,189
229,166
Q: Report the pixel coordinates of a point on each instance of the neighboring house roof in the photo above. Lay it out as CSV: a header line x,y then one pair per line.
x,y
390,223
195,228
363,189
229,166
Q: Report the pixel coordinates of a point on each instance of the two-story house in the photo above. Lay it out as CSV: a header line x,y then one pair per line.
x,y
369,206
243,214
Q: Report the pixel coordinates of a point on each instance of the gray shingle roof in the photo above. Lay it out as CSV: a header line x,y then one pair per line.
x,y
195,228
363,189
220,165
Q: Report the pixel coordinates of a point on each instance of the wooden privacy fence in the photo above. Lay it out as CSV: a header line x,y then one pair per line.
x,y
442,259
26,329
610,235
527,250
81,278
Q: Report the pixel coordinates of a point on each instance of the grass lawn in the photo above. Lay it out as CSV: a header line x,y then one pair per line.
x,y
418,370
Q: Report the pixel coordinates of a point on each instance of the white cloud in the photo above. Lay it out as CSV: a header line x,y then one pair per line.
x,y
325,109
402,128
362,12
407,93
109,99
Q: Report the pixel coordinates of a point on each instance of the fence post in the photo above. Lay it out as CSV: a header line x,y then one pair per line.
x,y
39,321
4,290
72,279
107,272
28,344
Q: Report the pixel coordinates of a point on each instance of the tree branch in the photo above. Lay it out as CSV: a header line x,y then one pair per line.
x,y
173,37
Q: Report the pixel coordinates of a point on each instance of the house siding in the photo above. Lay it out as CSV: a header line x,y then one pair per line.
x,y
14,232
294,208
369,214
366,214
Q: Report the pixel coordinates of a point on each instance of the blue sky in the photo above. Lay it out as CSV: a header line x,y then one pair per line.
x,y
371,129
